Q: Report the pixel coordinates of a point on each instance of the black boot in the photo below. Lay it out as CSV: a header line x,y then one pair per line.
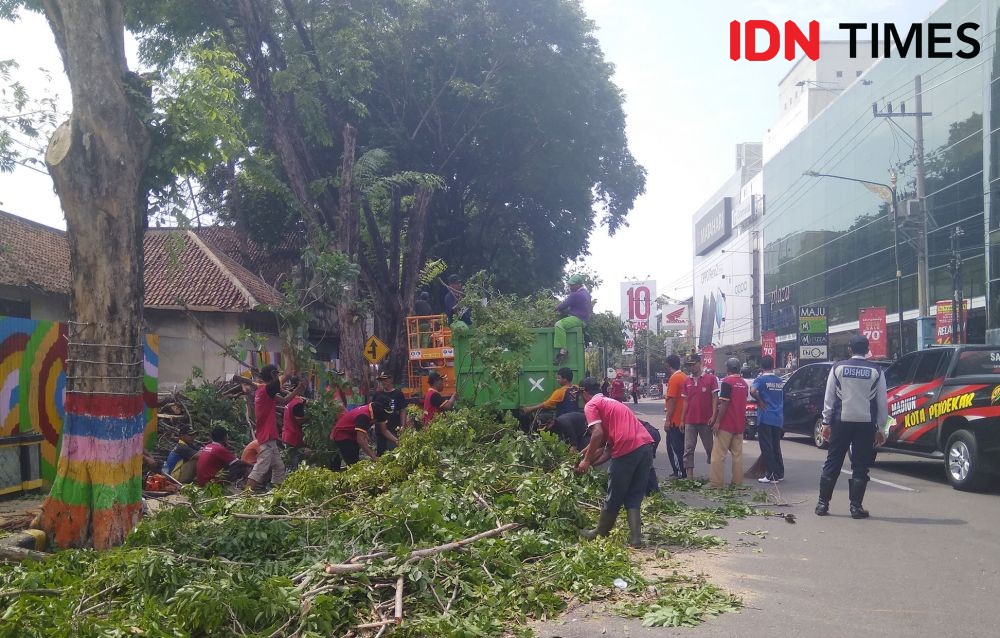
x,y
826,486
604,525
857,491
634,527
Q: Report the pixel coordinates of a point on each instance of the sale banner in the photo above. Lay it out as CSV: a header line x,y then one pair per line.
x,y
769,345
871,323
708,357
943,320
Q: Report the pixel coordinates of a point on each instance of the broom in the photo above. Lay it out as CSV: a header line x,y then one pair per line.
x,y
757,470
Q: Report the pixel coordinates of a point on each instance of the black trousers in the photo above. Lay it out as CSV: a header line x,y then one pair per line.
x,y
675,449
859,438
769,438
350,453
628,477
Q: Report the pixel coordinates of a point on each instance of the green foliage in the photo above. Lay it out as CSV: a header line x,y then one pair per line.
x,y
196,569
25,121
503,337
207,408
683,603
322,413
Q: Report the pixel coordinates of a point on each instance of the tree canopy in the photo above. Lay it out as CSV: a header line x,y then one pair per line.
x,y
509,102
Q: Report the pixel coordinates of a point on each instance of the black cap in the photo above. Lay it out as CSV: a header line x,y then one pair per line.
x,y
859,344
383,375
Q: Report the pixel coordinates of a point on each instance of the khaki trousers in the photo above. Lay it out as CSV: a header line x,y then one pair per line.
x,y
733,444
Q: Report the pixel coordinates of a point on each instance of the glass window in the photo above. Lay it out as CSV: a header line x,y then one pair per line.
x,y
818,376
973,362
927,366
796,381
840,74
901,371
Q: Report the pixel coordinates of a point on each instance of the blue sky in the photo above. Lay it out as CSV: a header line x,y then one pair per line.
x,y
687,105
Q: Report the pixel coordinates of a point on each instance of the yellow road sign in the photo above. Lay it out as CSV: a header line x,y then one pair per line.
x,y
375,350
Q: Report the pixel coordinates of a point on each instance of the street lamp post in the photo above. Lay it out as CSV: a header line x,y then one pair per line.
x,y
888,193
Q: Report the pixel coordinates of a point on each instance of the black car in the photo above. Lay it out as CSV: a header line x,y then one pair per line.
x,y
804,392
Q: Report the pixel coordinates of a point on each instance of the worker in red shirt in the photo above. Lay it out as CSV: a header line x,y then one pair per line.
x,y
352,431
291,428
215,456
266,398
434,401
728,424
616,434
618,388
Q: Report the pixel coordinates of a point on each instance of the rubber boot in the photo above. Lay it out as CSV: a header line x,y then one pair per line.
x,y
634,527
826,486
604,525
857,492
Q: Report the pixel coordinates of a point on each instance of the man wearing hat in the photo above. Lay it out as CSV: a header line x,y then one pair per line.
x,y
699,410
387,433
434,401
854,410
576,307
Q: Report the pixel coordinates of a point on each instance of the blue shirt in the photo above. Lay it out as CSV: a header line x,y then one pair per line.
x,y
771,404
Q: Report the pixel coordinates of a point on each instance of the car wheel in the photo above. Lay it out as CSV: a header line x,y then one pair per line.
x,y
963,465
818,435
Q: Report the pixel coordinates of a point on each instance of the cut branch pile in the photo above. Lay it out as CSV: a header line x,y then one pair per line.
x,y
468,528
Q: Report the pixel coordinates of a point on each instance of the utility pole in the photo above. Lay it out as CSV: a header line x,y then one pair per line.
x,y
955,267
923,276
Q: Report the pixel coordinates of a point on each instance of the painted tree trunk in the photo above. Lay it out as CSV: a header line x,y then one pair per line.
x,y
97,160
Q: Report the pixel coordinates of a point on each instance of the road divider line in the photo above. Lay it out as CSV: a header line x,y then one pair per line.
x,y
881,482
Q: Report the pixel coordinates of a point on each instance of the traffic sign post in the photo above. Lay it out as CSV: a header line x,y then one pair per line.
x,y
375,350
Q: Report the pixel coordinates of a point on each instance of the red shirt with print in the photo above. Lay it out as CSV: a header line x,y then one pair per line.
x,y
700,395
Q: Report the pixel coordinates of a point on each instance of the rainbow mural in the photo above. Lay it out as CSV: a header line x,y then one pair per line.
x,y
33,385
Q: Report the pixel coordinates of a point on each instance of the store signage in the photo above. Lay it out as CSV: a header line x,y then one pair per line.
x,y
744,210
871,323
943,320
779,295
813,334
713,227
708,357
769,345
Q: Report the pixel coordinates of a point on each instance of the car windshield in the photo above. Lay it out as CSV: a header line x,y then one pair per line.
x,y
974,362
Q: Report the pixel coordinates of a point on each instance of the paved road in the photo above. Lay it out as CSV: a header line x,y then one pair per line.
x,y
926,564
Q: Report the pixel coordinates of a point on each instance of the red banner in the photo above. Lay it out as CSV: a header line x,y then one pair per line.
x,y
943,320
769,345
871,322
708,357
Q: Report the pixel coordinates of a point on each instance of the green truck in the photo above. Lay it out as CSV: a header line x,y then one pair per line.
x,y
536,380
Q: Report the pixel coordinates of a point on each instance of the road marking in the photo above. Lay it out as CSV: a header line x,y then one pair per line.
x,y
890,484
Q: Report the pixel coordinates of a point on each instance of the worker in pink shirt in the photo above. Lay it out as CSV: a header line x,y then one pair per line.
x,y
616,434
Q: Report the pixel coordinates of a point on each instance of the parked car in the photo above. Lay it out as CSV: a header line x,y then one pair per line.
x,y
804,392
945,404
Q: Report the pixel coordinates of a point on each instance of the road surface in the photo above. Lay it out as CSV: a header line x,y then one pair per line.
x,y
927,563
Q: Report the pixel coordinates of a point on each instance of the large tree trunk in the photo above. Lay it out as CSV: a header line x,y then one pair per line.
x,y
97,160
351,318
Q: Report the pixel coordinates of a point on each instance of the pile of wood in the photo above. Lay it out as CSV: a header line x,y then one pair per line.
x,y
178,411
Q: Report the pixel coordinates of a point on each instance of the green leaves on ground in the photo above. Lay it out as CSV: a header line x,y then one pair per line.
x,y
254,565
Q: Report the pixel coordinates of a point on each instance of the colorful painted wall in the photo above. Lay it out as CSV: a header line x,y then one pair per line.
x,y
33,384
